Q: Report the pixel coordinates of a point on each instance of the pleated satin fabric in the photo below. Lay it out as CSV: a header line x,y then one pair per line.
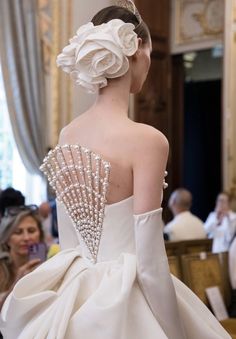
x,y
70,297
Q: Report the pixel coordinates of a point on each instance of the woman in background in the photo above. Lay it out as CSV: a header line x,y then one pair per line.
x,y
20,227
221,224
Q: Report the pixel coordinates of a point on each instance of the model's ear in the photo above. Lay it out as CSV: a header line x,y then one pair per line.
x,y
140,42
136,54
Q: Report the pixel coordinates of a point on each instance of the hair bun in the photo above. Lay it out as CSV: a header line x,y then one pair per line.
x,y
98,53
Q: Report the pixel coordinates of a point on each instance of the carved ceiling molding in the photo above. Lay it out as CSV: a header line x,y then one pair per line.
x,y
196,24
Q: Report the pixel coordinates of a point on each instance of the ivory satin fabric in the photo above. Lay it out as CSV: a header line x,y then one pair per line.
x,y
69,297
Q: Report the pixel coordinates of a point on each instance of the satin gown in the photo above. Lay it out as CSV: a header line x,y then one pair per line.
x,y
75,296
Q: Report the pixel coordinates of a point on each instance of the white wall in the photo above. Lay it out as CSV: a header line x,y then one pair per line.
x,y
83,11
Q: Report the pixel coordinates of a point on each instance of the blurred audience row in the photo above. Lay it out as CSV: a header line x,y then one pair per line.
x,y
219,226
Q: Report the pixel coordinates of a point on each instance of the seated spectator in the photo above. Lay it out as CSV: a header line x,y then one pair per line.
x,y
221,224
185,225
10,197
20,227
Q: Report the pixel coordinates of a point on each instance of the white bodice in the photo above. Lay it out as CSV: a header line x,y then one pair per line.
x,y
128,293
117,233
80,179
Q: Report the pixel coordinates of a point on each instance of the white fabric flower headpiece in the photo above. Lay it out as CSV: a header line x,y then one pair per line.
x,y
98,53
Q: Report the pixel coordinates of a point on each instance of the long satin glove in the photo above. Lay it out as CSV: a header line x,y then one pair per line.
x,y
154,275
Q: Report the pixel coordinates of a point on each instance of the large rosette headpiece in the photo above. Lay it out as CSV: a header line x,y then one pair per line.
x,y
98,53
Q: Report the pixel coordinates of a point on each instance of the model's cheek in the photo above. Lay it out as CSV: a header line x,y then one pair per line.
x,y
149,62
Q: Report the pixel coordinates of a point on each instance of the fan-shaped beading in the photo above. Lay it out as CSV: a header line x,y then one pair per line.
x,y
80,179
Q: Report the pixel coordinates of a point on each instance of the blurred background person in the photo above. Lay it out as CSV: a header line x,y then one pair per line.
x,y
221,224
185,225
48,214
20,227
10,197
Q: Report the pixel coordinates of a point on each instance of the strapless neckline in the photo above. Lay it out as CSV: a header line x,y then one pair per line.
x,y
79,145
107,206
123,201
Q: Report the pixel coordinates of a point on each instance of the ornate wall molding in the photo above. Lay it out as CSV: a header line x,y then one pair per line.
x,y
196,24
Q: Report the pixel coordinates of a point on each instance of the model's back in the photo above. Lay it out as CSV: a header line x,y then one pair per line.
x,y
116,139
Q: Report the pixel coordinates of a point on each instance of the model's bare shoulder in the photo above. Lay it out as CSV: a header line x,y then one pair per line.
x,y
149,160
64,136
149,139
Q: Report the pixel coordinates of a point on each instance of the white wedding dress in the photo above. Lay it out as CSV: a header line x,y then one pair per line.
x,y
111,280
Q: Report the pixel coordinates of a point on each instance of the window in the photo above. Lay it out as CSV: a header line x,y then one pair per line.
x,y
12,171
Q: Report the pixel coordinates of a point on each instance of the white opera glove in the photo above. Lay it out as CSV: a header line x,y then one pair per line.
x,y
154,275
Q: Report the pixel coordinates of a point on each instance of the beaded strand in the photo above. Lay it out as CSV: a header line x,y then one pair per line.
x,y
80,179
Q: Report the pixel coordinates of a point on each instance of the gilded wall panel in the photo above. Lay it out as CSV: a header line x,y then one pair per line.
x,y
55,26
196,24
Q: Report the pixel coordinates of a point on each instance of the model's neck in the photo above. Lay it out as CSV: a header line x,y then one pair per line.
x,y
116,95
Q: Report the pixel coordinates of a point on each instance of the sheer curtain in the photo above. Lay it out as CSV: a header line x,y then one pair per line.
x,y
21,61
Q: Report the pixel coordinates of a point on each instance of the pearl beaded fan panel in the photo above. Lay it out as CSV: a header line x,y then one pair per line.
x,y
80,179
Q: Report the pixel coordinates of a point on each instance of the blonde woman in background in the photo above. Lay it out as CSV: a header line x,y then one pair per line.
x,y
20,227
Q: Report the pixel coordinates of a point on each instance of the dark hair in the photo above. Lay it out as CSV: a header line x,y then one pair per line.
x,y
116,12
10,197
183,198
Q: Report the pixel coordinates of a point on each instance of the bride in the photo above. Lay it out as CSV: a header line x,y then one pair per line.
x,y
111,280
